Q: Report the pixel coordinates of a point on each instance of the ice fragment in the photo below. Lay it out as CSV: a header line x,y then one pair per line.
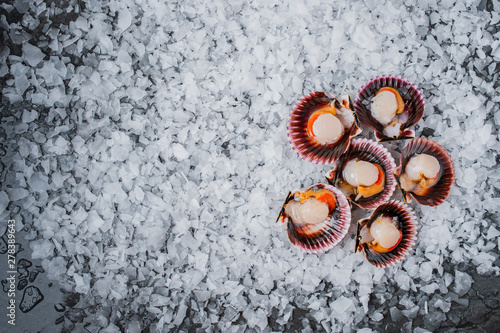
x,y
463,283
32,54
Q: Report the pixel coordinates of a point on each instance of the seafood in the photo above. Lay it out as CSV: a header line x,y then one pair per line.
x,y
364,173
320,127
388,235
425,172
389,105
317,219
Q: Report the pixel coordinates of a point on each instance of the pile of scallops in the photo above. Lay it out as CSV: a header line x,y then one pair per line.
x,y
321,129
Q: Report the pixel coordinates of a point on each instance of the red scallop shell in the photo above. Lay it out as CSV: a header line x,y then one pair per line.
x,y
306,147
334,228
439,192
373,152
413,111
408,226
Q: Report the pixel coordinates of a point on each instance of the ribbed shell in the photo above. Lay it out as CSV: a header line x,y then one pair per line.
x,y
333,230
439,192
413,111
373,152
408,226
305,146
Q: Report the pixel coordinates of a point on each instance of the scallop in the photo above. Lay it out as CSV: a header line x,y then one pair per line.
x,y
317,219
425,172
390,105
388,235
364,174
320,127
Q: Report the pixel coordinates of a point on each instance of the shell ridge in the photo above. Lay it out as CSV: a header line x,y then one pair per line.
x,y
333,230
411,95
438,192
407,223
373,152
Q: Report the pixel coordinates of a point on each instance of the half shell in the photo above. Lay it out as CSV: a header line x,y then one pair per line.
x,y
440,190
411,114
405,220
301,139
321,236
373,152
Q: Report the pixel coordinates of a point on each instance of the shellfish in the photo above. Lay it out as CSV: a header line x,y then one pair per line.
x,y
389,105
317,219
364,173
320,127
425,172
388,235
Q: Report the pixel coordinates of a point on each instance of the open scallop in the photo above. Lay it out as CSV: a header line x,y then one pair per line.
x,y
425,172
388,235
390,105
317,219
364,174
320,127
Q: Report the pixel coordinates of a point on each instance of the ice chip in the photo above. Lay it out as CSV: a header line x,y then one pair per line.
x,y
430,288
42,248
4,201
341,304
120,152
134,326
396,314
402,279
484,134
22,84
463,283
159,300
492,232
22,6
136,94
426,271
38,182
32,54
124,19
365,38
18,194
94,222
434,45
105,43
466,178
181,314
180,152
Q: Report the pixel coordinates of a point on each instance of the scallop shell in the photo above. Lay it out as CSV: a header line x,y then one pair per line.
x,y
439,192
332,231
408,226
373,152
305,146
412,113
